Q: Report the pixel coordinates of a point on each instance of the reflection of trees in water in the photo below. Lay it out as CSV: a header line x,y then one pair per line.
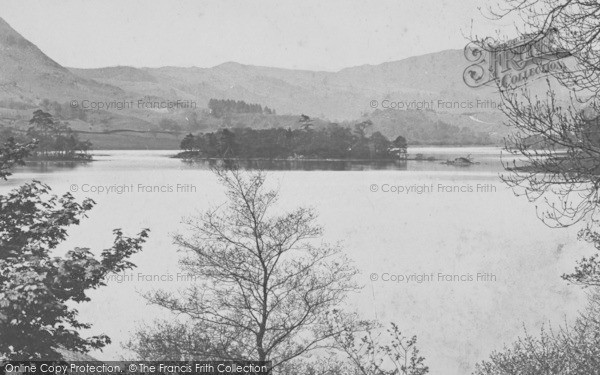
x,y
50,166
302,165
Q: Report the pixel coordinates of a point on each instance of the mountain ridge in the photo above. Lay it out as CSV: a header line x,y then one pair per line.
x,y
30,77
341,95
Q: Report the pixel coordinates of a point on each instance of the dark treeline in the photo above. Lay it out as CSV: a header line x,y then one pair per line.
x,y
221,107
55,139
332,142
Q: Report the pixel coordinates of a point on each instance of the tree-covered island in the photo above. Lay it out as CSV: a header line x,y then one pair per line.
x,y
327,142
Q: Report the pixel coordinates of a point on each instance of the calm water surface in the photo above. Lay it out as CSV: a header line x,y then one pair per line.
x,y
449,220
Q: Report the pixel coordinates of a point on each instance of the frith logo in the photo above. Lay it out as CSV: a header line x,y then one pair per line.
x,y
513,62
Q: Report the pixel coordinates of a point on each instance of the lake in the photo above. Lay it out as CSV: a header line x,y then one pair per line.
x,y
448,253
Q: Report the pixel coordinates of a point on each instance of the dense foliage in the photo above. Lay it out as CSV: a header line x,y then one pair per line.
x,y
332,141
11,154
221,107
38,288
56,138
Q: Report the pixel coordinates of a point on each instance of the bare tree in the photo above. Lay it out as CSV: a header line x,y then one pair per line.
x,y
556,135
561,25
268,284
371,353
557,155
554,147
170,341
587,271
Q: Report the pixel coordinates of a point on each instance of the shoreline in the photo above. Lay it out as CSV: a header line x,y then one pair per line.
x,y
197,158
59,160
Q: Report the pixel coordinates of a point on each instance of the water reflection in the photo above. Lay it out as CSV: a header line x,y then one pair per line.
x,y
487,160
460,232
50,166
304,165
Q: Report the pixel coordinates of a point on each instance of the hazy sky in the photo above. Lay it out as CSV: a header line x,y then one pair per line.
x,y
306,34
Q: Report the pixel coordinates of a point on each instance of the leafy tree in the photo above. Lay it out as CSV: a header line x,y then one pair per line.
x,y
37,289
400,142
400,147
226,145
188,143
360,148
361,128
306,122
13,153
42,127
267,286
55,138
379,146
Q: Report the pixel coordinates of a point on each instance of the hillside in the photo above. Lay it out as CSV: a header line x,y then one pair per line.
x,y
29,79
339,95
28,75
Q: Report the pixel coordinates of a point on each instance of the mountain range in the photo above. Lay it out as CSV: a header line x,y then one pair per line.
x,y
433,82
